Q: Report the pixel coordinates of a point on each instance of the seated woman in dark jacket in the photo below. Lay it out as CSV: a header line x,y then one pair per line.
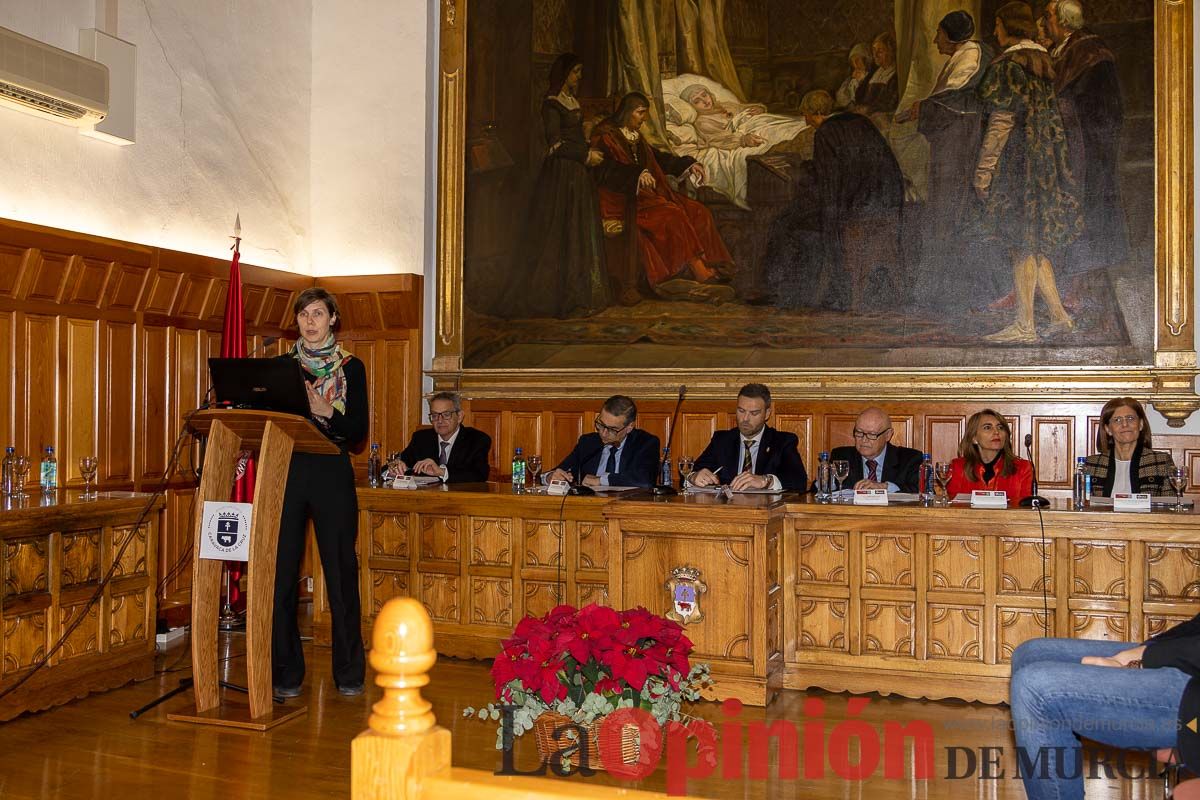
x,y
1124,462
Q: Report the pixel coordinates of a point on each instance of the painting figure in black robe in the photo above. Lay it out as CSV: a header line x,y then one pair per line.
x,y
1089,99
880,92
951,119
560,270
836,247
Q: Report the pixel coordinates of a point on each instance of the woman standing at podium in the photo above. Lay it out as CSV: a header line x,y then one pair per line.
x,y
322,487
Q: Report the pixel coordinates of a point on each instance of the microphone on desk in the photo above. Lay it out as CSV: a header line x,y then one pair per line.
x,y
660,489
1034,500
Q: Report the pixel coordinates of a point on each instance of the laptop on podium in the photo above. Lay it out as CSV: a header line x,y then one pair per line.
x,y
264,384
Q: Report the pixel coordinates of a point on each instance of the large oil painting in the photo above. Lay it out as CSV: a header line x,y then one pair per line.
x,y
808,183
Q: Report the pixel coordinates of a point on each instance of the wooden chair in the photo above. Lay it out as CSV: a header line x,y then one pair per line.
x,y
405,755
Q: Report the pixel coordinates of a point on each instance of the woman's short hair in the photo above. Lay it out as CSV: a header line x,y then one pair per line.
x,y
1018,19
968,450
559,71
1104,442
314,294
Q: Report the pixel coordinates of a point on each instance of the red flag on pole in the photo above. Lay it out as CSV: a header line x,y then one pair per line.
x,y
233,345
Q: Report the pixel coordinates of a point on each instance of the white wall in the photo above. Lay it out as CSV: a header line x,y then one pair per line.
x,y
222,128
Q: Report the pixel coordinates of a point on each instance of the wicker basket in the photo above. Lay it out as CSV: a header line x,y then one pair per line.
x,y
549,747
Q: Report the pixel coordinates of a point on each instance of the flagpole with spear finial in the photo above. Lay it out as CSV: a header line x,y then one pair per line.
x,y
233,345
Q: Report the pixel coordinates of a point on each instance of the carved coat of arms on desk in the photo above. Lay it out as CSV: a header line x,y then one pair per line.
x,y
685,588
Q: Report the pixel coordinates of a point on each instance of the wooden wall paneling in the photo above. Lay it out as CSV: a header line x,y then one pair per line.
x,y
164,288
126,287
84,354
490,422
802,426
119,404
396,412
695,431
90,281
13,261
526,434
8,376
41,404
655,422
942,435
49,275
1053,450
565,429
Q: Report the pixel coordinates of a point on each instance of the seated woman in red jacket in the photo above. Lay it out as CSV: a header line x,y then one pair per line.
x,y
986,460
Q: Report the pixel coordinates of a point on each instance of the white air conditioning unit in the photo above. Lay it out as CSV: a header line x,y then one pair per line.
x,y
41,79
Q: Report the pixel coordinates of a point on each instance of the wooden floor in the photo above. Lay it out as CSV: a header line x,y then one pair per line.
x,y
92,749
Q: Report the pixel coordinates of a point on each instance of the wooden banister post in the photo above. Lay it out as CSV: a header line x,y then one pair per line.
x,y
404,743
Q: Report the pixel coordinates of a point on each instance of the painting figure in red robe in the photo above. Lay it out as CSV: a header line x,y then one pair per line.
x,y
676,237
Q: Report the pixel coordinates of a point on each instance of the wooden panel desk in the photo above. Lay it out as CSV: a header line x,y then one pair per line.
x,y
52,560
923,602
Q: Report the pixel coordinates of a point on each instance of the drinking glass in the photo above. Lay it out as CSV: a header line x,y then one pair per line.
x,y
535,470
87,468
1179,479
21,471
841,471
941,474
687,465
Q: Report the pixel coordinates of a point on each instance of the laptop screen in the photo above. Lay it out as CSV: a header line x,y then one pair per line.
x,y
265,384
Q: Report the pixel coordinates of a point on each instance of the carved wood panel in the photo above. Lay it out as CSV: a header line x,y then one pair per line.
x,y
491,541
942,435
1016,625
24,642
956,562
565,430
887,560
888,628
1099,569
26,565
491,601
822,625
128,621
1172,572
1112,626
593,545
823,558
1053,450
439,593
85,638
956,632
543,543
388,535
1022,562
117,426
439,538
386,584
541,597
1158,623
526,434
80,557
133,560
592,593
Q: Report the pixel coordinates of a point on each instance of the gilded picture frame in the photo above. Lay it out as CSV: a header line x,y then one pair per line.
x,y
1167,379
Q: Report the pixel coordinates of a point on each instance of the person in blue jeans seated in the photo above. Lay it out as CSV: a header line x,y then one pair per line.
x,y
1121,694
752,456
617,454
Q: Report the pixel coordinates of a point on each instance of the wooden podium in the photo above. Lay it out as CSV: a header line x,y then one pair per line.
x,y
274,436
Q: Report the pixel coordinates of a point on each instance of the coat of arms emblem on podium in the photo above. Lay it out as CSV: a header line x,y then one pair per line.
x,y
685,588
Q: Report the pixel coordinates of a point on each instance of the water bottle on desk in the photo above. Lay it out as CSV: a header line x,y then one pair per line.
x,y
49,472
927,479
667,478
1079,490
518,472
6,486
373,467
824,478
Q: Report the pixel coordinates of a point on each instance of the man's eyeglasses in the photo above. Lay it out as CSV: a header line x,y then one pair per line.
x,y
870,437
438,416
1129,419
609,429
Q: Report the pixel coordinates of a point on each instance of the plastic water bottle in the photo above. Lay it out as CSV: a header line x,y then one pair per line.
x,y
518,472
49,471
6,486
824,478
1079,490
926,478
667,478
373,467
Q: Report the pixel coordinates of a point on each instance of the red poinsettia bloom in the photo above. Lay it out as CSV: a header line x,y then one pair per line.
x,y
594,629
631,665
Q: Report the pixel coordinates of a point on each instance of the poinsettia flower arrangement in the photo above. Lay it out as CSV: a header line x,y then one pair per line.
x,y
589,662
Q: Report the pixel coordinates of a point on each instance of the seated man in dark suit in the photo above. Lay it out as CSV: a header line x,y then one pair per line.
x,y
874,463
617,454
449,450
753,455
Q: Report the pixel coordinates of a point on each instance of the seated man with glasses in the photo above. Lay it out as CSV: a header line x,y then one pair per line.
x,y
617,454
752,456
449,450
875,463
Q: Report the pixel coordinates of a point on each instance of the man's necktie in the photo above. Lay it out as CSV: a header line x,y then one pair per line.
x,y
442,455
747,459
872,465
610,460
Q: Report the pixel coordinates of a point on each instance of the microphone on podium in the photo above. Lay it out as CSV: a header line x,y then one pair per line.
x,y
1034,500
661,489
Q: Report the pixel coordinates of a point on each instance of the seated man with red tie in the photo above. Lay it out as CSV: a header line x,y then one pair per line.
x,y
617,454
449,450
753,455
875,463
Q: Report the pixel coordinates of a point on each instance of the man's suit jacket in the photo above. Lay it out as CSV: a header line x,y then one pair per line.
x,y
639,459
900,466
468,461
778,455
